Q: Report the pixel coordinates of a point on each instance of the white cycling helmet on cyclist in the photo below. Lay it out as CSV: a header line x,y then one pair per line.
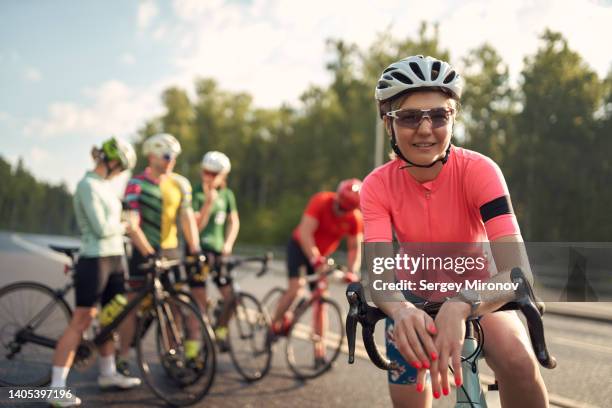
x,y
413,74
418,72
118,149
162,145
216,162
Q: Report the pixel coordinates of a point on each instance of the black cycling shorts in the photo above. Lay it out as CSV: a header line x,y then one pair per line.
x,y
98,279
137,274
296,259
197,276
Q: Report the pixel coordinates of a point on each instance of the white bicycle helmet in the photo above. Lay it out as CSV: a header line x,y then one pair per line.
x,y
118,149
418,72
216,162
161,144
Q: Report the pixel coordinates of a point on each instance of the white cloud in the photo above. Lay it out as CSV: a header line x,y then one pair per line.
x,y
37,155
160,32
4,116
127,59
514,28
115,108
147,11
32,74
275,49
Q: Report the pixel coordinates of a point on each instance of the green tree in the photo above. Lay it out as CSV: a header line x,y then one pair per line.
x,y
554,174
488,103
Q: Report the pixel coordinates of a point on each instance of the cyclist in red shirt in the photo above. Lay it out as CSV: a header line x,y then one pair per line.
x,y
328,218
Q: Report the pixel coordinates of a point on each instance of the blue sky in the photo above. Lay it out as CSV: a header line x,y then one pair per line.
x,y
75,72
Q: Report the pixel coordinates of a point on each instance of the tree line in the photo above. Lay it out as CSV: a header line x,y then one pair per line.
x,y
550,133
29,205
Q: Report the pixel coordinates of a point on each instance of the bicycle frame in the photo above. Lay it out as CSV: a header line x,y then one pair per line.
x,y
470,393
154,287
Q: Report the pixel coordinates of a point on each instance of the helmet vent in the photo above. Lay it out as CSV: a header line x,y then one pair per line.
x,y
417,70
401,77
382,85
388,69
388,77
449,77
435,70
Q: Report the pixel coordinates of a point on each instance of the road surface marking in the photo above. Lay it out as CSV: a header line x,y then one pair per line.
x,y
39,249
580,344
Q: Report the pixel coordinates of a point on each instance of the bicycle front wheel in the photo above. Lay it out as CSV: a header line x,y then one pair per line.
x,y
315,338
171,367
247,331
270,300
32,319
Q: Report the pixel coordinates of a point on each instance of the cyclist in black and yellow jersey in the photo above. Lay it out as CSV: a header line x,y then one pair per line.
x,y
158,200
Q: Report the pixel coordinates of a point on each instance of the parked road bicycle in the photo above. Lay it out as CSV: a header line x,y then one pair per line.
x,y
470,393
313,321
33,316
248,324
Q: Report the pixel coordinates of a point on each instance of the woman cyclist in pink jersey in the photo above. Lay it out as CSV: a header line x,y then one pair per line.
x,y
433,191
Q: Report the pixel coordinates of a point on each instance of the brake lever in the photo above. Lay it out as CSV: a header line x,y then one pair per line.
x,y
351,322
368,316
533,314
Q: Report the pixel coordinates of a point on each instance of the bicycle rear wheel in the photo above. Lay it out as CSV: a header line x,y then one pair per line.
x,y
29,309
305,342
247,332
172,375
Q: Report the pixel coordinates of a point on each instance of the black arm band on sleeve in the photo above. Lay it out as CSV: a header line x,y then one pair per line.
x,y
499,206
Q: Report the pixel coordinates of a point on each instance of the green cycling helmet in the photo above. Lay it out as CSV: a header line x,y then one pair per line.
x,y
118,149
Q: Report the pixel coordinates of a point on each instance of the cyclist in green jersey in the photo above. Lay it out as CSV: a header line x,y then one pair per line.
x,y
218,222
158,200
99,273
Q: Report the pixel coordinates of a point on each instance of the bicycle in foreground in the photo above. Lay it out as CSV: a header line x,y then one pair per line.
x,y
470,393
34,316
317,324
248,321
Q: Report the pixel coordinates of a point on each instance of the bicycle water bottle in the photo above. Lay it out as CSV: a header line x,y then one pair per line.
x,y
112,309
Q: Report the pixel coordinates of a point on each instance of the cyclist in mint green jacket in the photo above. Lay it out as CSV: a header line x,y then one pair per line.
x,y
99,272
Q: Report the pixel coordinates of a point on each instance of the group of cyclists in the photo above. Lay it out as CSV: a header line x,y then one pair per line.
x,y
430,191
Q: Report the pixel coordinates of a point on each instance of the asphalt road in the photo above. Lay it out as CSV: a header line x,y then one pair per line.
x,y
582,347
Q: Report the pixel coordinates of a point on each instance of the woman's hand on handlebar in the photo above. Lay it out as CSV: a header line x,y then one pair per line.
x,y
413,335
450,323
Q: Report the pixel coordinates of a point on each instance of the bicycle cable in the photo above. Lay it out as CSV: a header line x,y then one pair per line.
x,y
480,334
464,390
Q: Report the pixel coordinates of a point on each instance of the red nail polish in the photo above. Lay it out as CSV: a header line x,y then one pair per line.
x,y
445,391
458,382
416,364
420,387
436,394
426,364
433,329
434,356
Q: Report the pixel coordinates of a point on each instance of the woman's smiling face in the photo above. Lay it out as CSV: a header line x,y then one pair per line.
x,y
427,142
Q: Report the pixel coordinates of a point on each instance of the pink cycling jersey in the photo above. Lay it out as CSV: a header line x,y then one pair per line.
x,y
467,203
446,209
